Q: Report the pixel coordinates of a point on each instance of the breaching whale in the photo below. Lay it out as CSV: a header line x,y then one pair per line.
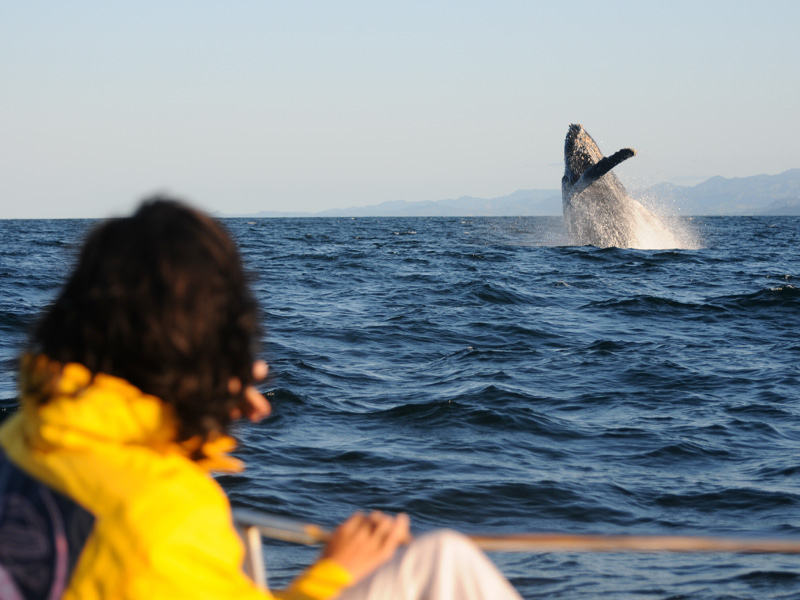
x,y
597,209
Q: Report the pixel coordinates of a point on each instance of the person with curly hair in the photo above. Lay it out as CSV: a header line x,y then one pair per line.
x,y
129,386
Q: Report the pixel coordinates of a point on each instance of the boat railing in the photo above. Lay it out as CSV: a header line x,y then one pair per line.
x,y
253,525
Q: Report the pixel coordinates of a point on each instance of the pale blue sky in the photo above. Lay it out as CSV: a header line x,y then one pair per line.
x,y
252,105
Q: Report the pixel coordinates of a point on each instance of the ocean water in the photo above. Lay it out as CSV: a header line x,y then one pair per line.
x,y
481,374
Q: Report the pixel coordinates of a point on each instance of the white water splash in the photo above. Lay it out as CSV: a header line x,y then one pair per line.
x,y
655,229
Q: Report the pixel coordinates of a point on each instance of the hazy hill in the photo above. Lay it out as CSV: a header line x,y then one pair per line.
x,y
756,195
521,203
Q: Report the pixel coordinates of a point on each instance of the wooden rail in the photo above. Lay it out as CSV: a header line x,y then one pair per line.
x,y
290,530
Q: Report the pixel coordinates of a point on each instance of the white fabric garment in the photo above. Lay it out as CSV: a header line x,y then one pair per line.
x,y
442,565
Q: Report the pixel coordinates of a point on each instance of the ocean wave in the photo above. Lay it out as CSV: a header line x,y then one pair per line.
x,y
480,377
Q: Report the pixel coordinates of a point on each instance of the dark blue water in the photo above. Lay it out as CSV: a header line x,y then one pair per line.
x,y
479,375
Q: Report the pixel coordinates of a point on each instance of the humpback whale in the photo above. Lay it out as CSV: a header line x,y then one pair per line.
x,y
597,209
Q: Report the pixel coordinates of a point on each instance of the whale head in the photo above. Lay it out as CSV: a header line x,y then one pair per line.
x,y
580,153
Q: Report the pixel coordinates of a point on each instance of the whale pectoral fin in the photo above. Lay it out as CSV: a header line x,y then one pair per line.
x,y
605,164
600,168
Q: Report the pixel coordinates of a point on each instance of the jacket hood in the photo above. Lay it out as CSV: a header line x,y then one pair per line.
x,y
85,410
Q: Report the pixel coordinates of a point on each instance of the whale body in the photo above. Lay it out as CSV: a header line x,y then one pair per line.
x,y
598,211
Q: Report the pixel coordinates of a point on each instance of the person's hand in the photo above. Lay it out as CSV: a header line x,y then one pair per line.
x,y
364,542
254,405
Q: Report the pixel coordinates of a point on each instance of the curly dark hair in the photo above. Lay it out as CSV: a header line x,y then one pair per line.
x,y
161,300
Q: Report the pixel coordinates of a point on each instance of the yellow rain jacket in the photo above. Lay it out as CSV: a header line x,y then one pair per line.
x,y
97,501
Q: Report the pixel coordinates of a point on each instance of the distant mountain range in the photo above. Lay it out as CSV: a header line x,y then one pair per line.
x,y
756,195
